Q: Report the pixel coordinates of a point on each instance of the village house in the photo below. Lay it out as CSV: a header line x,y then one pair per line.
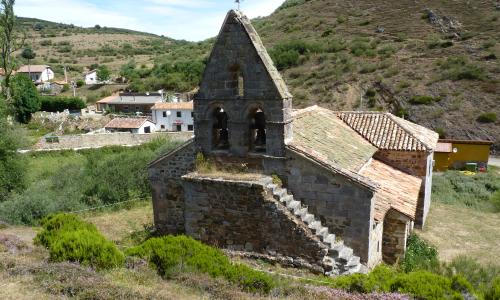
x,y
459,154
337,192
91,77
130,103
132,125
173,116
37,73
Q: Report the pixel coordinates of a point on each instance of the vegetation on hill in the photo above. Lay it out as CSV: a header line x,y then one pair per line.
x,y
69,181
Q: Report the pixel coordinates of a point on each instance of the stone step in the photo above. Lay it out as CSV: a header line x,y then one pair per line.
x,y
301,213
286,199
329,239
321,232
267,181
315,225
308,218
354,269
272,186
293,205
354,261
279,192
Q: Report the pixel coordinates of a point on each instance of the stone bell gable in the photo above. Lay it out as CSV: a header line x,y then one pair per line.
x,y
243,104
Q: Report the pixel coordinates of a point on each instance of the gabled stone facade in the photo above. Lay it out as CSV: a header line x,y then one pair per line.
x,y
344,203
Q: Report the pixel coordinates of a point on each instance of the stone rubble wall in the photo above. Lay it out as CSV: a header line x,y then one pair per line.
x,y
87,141
241,216
343,206
168,193
396,229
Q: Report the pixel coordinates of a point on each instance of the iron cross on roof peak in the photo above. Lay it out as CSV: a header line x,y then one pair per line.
x,y
239,3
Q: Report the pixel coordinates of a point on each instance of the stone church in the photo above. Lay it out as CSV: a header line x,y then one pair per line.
x,y
351,187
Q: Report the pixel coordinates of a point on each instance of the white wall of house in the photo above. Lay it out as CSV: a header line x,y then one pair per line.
x,y
40,77
91,78
173,120
147,127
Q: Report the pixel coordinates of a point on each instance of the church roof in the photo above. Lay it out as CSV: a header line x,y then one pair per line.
x,y
397,189
320,133
388,132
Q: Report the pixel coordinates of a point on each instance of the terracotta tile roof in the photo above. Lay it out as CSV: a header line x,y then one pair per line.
x,y
444,147
126,123
33,69
261,51
321,134
397,190
388,132
173,106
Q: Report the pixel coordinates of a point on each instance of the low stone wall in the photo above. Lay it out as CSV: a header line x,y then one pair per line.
x,y
241,216
85,141
396,228
168,193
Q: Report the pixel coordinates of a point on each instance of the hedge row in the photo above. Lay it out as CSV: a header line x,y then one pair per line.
x,y
59,104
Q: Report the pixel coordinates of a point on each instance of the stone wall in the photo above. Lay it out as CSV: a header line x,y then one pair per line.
x,y
396,228
168,194
87,141
344,206
240,215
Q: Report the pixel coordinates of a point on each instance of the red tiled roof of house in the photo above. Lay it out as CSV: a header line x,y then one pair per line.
x,y
397,189
388,132
173,106
33,69
126,123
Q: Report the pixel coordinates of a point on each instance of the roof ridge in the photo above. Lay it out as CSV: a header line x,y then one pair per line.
x,y
408,131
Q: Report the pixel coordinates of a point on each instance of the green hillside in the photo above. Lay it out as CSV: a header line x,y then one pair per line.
x,y
434,62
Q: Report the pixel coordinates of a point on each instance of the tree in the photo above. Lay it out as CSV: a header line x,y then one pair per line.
x,y
12,168
10,42
28,54
25,98
103,74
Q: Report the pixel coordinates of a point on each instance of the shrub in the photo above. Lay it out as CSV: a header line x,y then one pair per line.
x,y
425,100
45,42
425,285
68,238
80,83
286,55
59,104
419,256
490,117
458,68
494,292
171,255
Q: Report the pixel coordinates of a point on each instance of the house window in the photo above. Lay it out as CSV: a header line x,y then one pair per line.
x,y
179,114
192,114
137,108
125,108
190,127
179,127
162,127
164,114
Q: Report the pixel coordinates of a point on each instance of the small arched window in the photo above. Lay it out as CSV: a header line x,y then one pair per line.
x,y
258,134
237,80
220,131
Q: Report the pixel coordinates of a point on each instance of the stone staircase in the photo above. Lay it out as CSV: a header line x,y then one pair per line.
x,y
340,259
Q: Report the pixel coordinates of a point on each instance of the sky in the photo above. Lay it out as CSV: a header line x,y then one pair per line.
x,y
192,20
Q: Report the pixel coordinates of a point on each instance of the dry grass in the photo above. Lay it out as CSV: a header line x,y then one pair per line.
x,y
463,231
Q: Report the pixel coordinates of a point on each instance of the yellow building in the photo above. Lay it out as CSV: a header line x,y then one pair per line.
x,y
455,154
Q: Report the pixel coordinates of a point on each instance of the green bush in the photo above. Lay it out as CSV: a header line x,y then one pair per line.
x,y
493,293
481,277
458,68
419,256
59,104
425,285
171,255
80,83
68,238
286,55
423,100
490,117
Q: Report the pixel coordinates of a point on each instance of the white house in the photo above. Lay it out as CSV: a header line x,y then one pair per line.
x,y
37,73
91,77
171,116
132,125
